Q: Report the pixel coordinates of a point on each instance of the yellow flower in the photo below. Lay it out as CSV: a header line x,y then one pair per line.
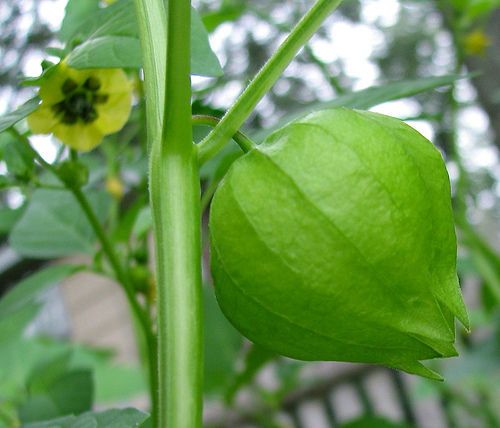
x,y
476,42
115,187
81,106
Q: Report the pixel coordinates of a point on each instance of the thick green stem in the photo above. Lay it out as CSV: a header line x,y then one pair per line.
x,y
265,79
175,194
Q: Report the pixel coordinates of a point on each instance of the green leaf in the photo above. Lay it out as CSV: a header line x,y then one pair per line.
x,y
335,240
13,327
116,418
143,223
113,382
23,111
222,345
203,60
8,218
55,389
477,8
71,393
27,292
229,11
107,51
76,11
110,39
54,225
19,160
374,96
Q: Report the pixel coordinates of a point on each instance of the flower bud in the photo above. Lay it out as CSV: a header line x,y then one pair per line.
x,y
334,240
73,173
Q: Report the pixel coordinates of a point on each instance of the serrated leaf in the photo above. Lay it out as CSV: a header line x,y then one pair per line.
x,y
23,111
54,225
110,39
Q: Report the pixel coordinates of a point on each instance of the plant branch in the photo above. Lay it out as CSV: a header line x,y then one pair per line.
x,y
265,79
245,143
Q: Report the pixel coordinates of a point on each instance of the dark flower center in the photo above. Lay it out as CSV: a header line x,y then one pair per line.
x,y
79,101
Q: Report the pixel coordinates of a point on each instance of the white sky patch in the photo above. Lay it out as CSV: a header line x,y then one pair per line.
x,y
46,146
474,119
32,64
52,12
383,12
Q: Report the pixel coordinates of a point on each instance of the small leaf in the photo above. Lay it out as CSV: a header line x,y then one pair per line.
x,y
23,111
19,160
54,225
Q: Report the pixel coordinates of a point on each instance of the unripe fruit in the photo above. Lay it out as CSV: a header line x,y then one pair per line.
x,y
334,240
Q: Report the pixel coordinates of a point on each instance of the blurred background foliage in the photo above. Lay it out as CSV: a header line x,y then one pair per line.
x,y
366,43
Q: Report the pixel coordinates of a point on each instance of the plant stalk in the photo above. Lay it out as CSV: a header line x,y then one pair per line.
x,y
175,202
265,79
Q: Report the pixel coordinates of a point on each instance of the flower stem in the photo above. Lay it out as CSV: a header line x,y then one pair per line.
x,y
175,194
265,79
120,274
245,143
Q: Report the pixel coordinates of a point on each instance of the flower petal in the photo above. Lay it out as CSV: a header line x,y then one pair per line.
x,y
114,113
113,80
42,120
79,136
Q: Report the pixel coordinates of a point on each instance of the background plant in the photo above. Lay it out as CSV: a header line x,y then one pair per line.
x,y
122,155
